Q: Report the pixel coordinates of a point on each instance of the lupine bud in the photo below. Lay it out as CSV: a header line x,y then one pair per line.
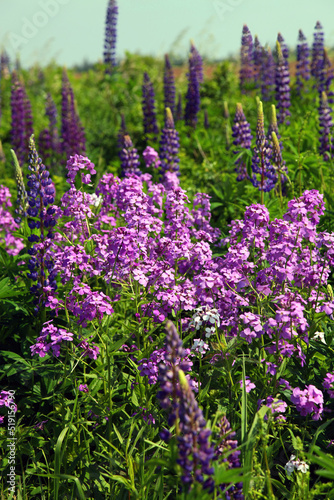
x,y
110,36
326,126
21,200
282,87
284,49
150,119
129,158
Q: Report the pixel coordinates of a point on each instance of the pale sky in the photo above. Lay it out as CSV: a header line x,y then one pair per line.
x,y
70,31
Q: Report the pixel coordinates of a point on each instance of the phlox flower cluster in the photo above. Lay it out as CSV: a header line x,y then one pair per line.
x,y
51,337
8,225
309,401
328,384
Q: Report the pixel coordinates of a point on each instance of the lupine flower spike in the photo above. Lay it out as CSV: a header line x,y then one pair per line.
x,y
169,145
242,138
150,119
268,75
317,52
227,125
246,59
303,62
21,127
110,36
169,86
21,200
326,128
282,87
129,158
284,48
193,93
273,127
278,162
257,62
261,161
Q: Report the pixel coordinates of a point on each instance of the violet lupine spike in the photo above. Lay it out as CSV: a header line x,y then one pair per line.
x,y
194,450
303,62
262,153
326,128
193,99
123,131
4,64
246,59
52,114
28,122
18,124
129,158
109,54
257,62
150,118
198,62
227,444
45,143
277,159
169,145
282,79
41,193
317,51
268,75
326,77
169,86
21,199
179,111
284,48
242,138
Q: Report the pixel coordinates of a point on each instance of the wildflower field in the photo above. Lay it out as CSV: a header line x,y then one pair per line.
x,y
166,274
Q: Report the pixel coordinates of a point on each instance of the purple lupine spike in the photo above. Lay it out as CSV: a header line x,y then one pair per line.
x,y
150,119
129,158
226,445
45,143
246,59
242,138
317,51
4,64
179,111
282,79
41,193
169,86
268,75
52,114
326,77
206,120
18,118
303,62
121,133
194,450
326,128
21,199
193,99
261,161
72,133
169,145
28,122
197,61
110,36
284,48
257,62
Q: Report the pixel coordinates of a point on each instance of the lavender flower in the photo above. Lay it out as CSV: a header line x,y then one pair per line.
x,y
150,119
246,59
282,79
169,86
169,145
317,51
110,36
129,158
303,62
268,75
193,93
325,126
242,138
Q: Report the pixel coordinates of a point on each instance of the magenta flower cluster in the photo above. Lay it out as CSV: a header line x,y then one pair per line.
x,y
310,401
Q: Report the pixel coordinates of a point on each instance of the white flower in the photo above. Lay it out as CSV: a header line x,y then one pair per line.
x,y
96,200
320,336
290,465
302,467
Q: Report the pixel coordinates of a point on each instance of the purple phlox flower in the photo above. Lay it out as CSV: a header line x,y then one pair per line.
x,y
151,157
148,104
7,399
40,425
246,59
129,158
277,407
193,93
254,328
309,401
169,86
147,417
282,80
303,62
76,163
328,384
8,224
242,138
169,145
50,337
249,385
83,388
200,346
109,54
92,351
